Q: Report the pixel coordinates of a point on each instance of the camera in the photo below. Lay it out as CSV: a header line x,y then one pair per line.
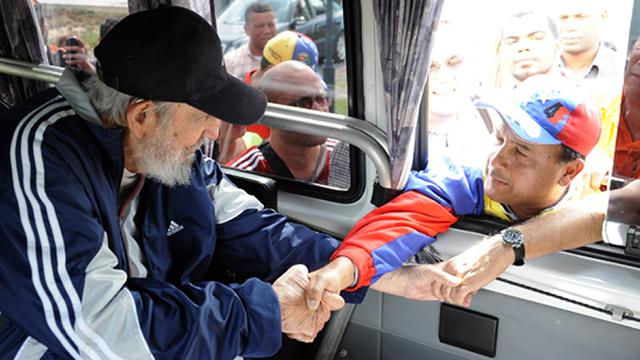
x,y
70,41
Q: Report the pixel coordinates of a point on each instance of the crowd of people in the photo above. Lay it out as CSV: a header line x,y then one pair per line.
x,y
122,234
566,42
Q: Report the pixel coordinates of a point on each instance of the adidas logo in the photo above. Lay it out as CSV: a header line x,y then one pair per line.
x,y
174,227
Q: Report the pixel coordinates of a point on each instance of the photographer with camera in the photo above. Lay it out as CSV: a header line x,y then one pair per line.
x,y
73,52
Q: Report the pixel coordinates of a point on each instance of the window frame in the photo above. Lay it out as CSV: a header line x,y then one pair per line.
x,y
487,225
355,105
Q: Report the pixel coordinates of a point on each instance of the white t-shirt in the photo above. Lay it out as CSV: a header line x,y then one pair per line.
x,y
240,60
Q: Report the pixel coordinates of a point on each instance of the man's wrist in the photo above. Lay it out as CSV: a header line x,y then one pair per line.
x,y
348,270
504,251
356,275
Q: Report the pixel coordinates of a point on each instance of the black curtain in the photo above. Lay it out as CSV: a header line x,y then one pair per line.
x,y
19,40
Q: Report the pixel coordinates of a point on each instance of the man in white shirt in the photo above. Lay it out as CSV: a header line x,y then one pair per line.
x,y
584,55
260,26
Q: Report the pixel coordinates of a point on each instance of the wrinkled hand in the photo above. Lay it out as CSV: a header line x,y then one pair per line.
x,y
418,282
333,277
298,321
478,266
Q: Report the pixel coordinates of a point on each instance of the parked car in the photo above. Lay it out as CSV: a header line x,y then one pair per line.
x,y
305,16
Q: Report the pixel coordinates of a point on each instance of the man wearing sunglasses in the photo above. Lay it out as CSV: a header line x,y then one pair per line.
x,y
287,45
286,153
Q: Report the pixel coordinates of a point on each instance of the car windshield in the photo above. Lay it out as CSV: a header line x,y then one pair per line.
x,y
234,14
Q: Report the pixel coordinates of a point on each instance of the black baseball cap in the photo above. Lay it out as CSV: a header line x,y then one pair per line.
x,y
173,54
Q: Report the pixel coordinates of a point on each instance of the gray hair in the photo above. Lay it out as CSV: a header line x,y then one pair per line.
x,y
112,105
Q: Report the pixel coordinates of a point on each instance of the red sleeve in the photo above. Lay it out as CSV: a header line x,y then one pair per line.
x,y
393,233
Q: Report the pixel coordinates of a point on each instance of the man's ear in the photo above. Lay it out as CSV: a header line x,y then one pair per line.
x,y
141,118
571,170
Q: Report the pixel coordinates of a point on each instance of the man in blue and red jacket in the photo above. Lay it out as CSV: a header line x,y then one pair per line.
x,y
541,144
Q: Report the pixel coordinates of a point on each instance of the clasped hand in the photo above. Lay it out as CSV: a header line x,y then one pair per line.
x,y
474,268
306,300
454,281
299,321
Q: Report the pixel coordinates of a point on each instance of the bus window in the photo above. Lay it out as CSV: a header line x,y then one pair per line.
x,y
526,57
308,32
261,40
72,31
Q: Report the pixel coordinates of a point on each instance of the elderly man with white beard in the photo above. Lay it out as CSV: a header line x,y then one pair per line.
x,y
119,238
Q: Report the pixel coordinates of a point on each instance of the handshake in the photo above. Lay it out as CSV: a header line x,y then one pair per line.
x,y
302,316
307,299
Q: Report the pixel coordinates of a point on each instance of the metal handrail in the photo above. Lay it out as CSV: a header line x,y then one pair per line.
x,y
23,69
367,138
378,135
361,134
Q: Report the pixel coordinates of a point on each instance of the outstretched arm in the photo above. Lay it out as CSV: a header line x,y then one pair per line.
x,y
417,282
384,239
573,226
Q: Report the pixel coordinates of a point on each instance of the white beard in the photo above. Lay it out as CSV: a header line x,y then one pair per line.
x,y
156,160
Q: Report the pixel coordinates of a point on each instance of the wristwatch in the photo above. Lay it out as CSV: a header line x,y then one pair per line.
x,y
515,239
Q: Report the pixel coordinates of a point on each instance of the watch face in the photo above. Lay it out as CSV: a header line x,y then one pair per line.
x,y
512,237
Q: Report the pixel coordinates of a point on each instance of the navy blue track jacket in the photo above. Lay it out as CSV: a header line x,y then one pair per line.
x,y
65,286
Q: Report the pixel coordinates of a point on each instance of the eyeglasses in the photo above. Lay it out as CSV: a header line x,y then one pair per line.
x,y
307,101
